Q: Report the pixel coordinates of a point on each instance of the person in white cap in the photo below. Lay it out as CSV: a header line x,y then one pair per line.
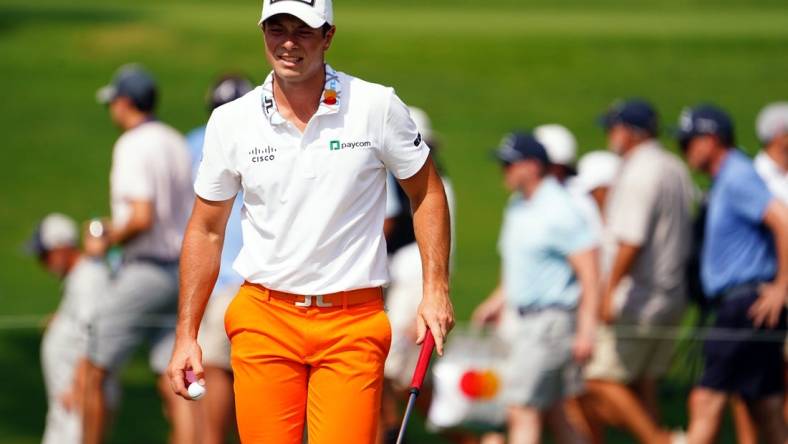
x,y
65,342
561,147
771,164
596,173
309,149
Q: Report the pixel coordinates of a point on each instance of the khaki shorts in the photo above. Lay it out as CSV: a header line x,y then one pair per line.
x,y
626,355
540,370
213,338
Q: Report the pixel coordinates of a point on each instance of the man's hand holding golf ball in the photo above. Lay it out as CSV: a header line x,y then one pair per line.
x,y
186,372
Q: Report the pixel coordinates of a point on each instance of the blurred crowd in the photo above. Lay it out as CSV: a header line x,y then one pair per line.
x,y
598,256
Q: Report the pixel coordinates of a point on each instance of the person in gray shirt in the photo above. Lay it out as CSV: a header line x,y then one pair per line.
x,y
649,217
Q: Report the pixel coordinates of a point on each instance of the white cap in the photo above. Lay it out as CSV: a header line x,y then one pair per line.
x,y
772,121
55,231
422,121
559,143
314,13
597,169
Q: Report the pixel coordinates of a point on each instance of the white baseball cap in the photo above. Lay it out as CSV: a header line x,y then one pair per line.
x,y
772,121
54,231
597,169
314,13
422,121
559,142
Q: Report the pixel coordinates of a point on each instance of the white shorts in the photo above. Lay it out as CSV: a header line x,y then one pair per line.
x,y
63,345
540,370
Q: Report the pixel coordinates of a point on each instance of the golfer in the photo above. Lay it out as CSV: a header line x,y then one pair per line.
x,y
309,149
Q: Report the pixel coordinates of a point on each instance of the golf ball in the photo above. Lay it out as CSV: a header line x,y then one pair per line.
x,y
196,391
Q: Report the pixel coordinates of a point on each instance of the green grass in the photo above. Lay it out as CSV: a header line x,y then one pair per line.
x,y
479,68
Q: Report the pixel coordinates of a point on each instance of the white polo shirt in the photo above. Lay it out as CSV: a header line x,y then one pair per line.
x,y
314,203
776,179
152,163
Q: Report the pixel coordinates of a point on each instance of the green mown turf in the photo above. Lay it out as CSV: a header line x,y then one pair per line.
x,y
479,68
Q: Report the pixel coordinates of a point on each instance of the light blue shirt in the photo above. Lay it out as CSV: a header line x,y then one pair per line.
x,y
537,236
738,248
233,240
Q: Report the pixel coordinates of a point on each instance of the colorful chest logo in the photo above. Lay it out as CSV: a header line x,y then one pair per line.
x,y
330,97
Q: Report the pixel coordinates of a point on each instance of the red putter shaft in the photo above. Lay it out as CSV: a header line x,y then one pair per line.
x,y
419,373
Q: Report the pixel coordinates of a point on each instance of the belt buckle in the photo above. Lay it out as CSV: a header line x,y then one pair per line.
x,y
318,299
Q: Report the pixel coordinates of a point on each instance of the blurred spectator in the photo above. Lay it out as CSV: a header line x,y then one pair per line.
x,y
772,163
561,147
550,277
217,406
404,293
649,217
596,173
65,341
744,268
150,190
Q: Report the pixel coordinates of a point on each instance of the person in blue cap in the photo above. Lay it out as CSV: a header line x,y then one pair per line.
x,y
648,217
744,269
550,279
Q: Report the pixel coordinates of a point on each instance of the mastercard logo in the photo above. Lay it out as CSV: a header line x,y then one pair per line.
x,y
330,97
480,384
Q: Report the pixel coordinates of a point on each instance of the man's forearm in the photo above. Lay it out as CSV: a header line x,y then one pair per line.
x,y
622,264
777,220
586,269
199,267
431,226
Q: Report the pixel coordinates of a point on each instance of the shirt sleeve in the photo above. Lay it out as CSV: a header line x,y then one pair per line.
x,y
216,179
749,196
404,150
574,234
133,178
635,198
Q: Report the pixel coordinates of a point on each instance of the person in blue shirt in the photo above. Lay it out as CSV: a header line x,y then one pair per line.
x,y
217,406
744,269
550,278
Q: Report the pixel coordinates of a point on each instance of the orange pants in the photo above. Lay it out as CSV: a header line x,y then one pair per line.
x,y
293,363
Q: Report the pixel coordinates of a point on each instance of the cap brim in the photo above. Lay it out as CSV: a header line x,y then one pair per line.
x,y
502,157
301,11
34,246
106,94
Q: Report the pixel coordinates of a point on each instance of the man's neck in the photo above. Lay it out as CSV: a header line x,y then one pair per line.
x,y
135,120
529,188
299,101
779,156
73,259
636,145
716,164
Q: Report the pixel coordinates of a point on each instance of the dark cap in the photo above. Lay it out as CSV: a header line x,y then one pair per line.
x,y
518,146
134,82
636,113
704,120
228,88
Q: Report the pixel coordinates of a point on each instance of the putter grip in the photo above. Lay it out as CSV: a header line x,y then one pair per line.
x,y
424,362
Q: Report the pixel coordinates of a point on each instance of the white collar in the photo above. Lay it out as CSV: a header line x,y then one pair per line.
x,y
329,100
